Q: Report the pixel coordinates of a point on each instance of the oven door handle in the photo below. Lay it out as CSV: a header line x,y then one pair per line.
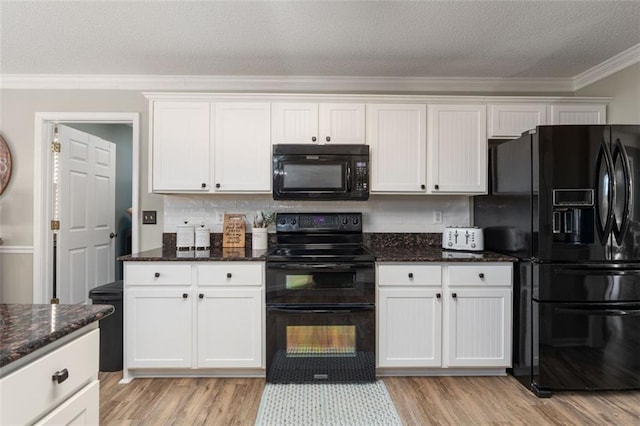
x,y
301,309
319,266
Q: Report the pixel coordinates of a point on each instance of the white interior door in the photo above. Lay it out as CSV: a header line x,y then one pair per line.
x,y
86,247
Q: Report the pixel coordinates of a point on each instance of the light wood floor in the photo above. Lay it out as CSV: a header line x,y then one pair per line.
x,y
419,401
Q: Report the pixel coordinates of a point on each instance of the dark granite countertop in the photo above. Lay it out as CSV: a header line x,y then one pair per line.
x,y
215,254
383,254
387,247
436,254
26,328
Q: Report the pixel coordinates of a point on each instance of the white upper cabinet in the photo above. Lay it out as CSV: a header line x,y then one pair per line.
x,y
578,114
180,146
457,149
396,134
510,120
318,123
242,148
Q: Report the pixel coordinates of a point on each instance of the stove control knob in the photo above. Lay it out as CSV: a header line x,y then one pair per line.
x,y
355,221
345,221
283,221
293,221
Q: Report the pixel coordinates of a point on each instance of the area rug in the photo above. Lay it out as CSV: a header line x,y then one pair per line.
x,y
327,405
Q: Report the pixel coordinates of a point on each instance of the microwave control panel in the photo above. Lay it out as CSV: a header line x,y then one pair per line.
x,y
361,177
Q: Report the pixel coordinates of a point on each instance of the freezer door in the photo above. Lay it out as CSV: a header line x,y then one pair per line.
x,y
625,148
586,283
585,347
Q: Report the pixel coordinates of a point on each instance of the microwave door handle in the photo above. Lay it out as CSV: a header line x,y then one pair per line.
x,y
349,177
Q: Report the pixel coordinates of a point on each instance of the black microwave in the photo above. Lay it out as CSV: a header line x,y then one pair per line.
x,y
320,172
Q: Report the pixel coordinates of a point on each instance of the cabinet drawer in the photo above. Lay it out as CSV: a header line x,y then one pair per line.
x,y
409,275
33,383
231,273
83,408
493,275
158,274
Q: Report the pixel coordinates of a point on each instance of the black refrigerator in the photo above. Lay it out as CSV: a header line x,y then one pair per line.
x,y
565,200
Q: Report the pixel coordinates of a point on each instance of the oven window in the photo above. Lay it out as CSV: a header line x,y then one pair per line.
x,y
324,340
312,176
319,281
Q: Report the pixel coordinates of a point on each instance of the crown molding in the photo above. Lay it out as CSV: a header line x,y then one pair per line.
x,y
285,83
612,65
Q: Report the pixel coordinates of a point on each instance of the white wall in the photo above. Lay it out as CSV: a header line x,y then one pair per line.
x,y
381,213
624,87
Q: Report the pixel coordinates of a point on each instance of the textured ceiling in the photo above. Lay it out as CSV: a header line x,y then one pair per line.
x,y
523,39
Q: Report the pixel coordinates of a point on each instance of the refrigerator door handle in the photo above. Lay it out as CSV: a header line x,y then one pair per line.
x,y
621,152
604,230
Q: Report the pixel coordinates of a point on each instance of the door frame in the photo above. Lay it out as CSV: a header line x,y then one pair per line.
x,y
43,188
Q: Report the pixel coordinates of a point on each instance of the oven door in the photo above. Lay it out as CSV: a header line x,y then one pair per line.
x,y
320,343
588,346
320,282
311,176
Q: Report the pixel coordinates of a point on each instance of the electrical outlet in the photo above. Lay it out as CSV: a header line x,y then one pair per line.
x,y
437,216
149,217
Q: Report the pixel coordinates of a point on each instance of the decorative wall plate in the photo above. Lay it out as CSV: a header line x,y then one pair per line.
x,y
5,164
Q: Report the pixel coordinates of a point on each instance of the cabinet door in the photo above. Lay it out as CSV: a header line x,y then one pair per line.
x,y
578,114
342,123
478,333
397,137
158,328
409,327
230,327
180,146
242,147
512,120
294,123
457,149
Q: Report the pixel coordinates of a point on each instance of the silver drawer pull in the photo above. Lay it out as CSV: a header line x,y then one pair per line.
x,y
60,376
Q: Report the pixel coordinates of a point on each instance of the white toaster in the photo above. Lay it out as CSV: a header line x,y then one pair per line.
x,y
468,238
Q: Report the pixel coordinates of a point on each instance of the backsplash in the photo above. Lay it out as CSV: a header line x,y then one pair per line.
x,y
381,213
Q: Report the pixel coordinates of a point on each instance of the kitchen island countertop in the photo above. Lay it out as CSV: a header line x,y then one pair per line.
x,y
26,328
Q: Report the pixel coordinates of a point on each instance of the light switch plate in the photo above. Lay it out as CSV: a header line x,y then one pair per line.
x,y
149,217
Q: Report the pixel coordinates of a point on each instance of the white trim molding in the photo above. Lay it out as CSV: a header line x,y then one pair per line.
x,y
612,65
355,84
42,193
16,249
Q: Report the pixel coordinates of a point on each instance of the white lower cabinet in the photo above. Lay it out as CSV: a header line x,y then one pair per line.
x,y
479,327
158,327
230,327
412,324
214,317
30,396
444,315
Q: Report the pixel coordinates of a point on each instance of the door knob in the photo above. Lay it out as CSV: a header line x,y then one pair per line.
x,y
112,235
438,295
410,274
328,138
313,139
185,295
454,295
201,296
